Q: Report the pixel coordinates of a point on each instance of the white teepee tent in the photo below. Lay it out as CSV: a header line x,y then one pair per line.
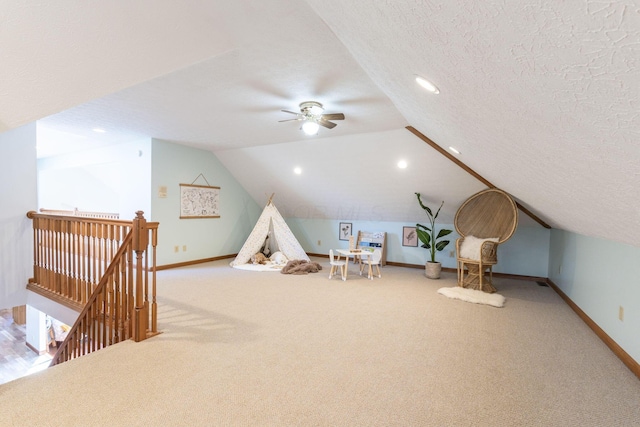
x,y
285,241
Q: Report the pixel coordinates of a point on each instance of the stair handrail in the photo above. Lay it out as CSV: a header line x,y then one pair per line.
x,y
115,293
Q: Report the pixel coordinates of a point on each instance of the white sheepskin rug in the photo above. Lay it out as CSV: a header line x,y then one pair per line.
x,y
269,266
472,295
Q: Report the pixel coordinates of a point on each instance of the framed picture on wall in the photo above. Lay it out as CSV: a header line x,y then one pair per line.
x,y
199,201
409,236
344,231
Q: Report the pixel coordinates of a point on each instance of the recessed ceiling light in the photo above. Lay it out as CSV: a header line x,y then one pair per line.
x,y
454,150
99,130
427,85
297,170
402,164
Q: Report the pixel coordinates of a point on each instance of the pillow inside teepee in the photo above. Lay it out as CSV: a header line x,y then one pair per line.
x,y
471,247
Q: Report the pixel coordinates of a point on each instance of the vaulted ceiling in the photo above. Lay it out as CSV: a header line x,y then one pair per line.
x,y
540,98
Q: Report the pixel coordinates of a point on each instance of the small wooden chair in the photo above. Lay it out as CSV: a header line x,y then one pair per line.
x,y
335,263
490,214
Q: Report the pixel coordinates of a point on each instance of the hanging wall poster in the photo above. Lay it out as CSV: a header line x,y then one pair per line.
x,y
199,201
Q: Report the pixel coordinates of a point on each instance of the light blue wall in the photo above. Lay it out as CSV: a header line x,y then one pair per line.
x,y
204,238
18,195
600,276
526,253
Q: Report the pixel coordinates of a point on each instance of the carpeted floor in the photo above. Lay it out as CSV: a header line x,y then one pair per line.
x,y
265,349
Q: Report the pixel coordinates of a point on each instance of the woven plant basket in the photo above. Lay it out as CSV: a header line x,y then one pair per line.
x,y
432,270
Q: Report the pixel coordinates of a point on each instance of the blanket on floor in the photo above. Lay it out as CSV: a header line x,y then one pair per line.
x,y
300,266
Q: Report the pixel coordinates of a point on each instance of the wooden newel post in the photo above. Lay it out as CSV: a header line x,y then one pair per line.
x,y
140,243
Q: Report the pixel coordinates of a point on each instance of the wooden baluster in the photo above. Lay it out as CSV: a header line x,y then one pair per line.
x,y
124,287
56,257
101,320
154,305
67,258
90,258
79,262
52,256
36,250
117,299
80,348
109,308
52,253
83,262
96,256
86,261
86,339
145,272
93,326
46,281
47,262
64,284
102,260
74,261
43,256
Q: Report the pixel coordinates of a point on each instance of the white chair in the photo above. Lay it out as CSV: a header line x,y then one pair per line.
x,y
372,260
335,263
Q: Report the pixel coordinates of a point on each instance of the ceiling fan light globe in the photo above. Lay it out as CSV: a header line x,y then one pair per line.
x,y
310,128
316,110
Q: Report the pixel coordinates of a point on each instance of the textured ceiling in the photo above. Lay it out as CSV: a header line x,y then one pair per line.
x,y
541,98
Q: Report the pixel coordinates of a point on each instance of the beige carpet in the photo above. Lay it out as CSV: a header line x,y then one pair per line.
x,y
266,349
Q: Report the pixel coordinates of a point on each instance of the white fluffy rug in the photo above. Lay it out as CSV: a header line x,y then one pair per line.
x,y
260,267
472,295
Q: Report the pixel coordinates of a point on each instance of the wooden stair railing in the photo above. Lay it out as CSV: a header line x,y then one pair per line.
x,y
76,212
101,268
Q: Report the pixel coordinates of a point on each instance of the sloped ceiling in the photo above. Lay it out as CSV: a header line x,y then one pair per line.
x,y
541,98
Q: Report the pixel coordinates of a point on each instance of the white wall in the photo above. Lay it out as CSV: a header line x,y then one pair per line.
x,y
36,335
600,276
175,164
526,253
126,177
18,195
52,308
114,178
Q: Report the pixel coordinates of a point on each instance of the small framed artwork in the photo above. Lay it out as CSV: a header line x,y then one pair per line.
x,y
409,236
345,230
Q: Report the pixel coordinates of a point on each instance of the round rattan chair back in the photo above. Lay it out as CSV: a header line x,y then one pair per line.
x,y
489,213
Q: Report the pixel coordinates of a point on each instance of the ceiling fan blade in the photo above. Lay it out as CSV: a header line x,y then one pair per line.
x,y
290,120
333,116
326,123
290,112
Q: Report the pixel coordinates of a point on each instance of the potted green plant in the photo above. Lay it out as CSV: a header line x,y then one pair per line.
x,y
432,241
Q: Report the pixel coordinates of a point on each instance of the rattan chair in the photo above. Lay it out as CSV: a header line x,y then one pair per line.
x,y
489,214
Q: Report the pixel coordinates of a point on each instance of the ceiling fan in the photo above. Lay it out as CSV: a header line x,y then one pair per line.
x,y
311,114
